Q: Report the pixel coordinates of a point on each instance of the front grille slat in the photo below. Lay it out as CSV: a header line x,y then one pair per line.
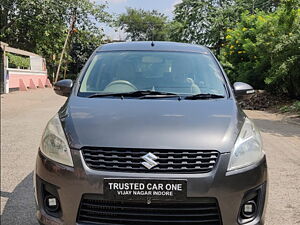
x,y
163,164
169,157
106,221
143,151
98,211
169,161
149,208
153,215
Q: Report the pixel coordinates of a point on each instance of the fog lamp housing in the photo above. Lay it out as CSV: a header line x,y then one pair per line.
x,y
48,198
249,209
51,203
252,205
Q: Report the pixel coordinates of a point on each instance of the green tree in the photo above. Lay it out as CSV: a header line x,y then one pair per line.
x,y
284,74
82,45
41,26
264,49
205,22
141,25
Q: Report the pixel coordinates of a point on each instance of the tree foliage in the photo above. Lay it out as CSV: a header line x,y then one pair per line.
x,y
264,49
205,22
82,46
41,26
256,40
18,61
141,25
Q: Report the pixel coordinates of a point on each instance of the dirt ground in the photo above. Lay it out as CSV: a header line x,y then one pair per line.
x,y
25,114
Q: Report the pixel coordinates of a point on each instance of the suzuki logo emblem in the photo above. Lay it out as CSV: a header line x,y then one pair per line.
x,y
149,160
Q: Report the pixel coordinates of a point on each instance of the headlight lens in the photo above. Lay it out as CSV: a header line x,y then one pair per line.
x,y
54,143
248,147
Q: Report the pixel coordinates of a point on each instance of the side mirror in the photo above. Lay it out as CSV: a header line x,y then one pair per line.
x,y
242,89
63,87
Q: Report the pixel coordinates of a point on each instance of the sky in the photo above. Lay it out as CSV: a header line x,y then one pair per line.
x,y
119,6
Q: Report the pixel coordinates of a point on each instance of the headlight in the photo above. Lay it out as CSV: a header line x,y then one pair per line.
x,y
54,144
248,147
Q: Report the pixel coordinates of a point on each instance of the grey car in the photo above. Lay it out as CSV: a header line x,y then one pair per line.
x,y
151,133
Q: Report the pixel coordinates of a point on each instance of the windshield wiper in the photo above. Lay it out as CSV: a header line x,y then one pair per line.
x,y
203,96
137,94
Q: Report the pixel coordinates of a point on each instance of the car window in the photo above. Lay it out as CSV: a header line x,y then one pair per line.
x,y
177,72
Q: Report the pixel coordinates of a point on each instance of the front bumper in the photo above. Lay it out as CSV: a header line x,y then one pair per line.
x,y
229,188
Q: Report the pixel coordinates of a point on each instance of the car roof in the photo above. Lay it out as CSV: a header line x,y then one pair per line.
x,y
158,46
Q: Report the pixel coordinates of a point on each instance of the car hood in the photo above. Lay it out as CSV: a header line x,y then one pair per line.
x,y
152,123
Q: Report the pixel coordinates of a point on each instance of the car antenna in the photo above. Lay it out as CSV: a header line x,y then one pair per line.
x,y
152,43
152,37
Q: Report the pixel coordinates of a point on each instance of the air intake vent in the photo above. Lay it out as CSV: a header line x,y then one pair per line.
x,y
166,161
96,211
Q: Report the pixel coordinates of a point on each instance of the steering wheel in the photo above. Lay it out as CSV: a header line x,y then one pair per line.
x,y
120,86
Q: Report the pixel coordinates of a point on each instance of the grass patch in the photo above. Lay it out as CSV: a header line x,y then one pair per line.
x,y
293,108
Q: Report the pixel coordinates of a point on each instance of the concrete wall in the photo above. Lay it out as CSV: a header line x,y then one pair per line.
x,y
29,78
21,79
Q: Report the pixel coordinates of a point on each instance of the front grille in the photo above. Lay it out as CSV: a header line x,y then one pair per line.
x,y
97,211
169,161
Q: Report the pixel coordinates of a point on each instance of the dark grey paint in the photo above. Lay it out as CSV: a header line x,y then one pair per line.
x,y
188,124
229,189
158,46
151,123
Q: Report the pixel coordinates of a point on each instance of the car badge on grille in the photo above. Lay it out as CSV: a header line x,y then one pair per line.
x,y
149,160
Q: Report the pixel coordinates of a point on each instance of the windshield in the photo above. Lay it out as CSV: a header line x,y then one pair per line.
x,y
181,73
